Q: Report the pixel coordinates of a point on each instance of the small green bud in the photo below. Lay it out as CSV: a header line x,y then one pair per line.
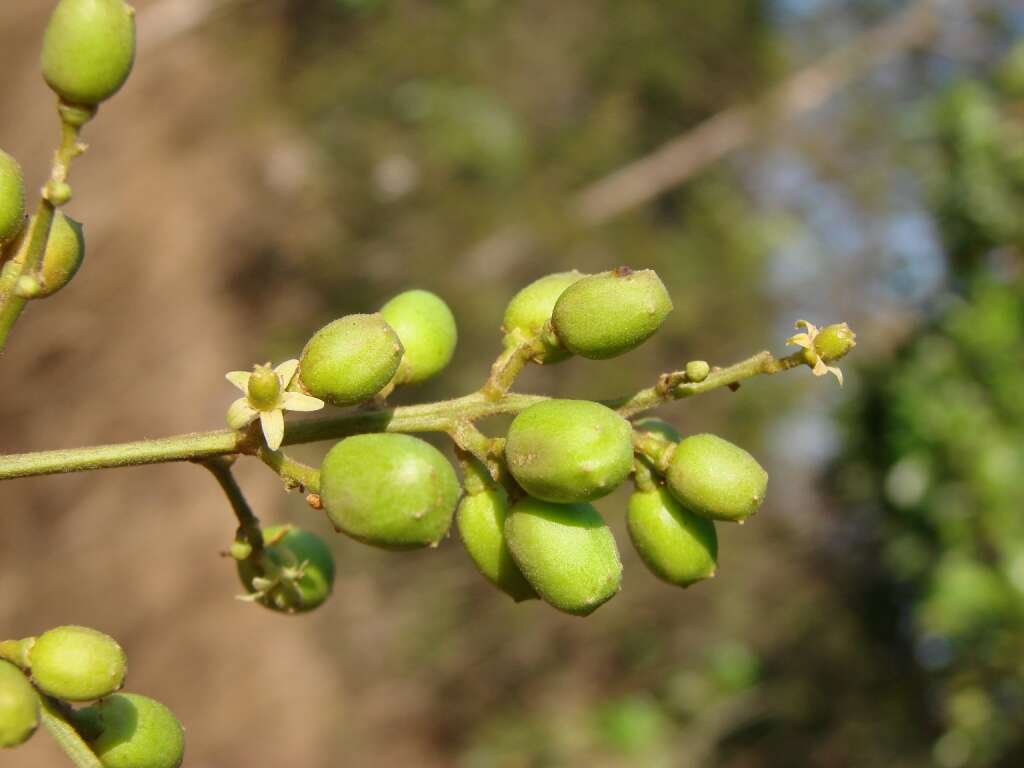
x,y
350,360
299,565
676,545
89,49
65,251
19,706
389,490
12,198
697,370
426,327
604,315
531,308
652,426
716,479
569,450
481,521
566,552
136,732
834,341
264,388
77,663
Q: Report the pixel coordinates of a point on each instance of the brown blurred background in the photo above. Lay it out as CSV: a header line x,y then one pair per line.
x,y
273,164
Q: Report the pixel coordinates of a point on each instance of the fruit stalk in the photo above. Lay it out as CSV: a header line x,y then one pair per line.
x,y
58,724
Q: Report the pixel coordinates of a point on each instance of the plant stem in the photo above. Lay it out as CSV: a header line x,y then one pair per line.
x,y
293,472
57,722
441,416
248,523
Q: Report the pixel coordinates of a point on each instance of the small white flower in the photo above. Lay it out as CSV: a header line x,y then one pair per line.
x,y
266,395
806,340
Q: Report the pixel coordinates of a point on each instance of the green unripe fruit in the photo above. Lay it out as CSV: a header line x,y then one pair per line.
x,y
89,49
350,360
136,732
716,479
481,522
77,663
566,552
19,706
697,370
652,426
12,198
569,450
65,252
301,564
531,308
833,342
678,546
604,315
389,490
426,327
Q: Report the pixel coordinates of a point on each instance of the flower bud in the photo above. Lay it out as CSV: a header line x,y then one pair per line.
x,y
650,425
605,315
299,565
531,308
389,490
350,360
12,198
65,251
834,341
135,732
716,479
19,706
676,545
566,552
426,327
89,49
77,663
569,450
264,389
697,370
481,520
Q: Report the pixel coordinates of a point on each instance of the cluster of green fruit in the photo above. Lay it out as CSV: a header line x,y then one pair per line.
x,y
88,53
526,518
74,665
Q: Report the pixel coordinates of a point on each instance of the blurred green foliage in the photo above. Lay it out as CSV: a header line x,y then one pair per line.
x,y
935,442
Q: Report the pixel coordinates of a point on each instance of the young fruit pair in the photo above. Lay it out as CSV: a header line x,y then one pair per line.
x,y
350,360
294,574
593,316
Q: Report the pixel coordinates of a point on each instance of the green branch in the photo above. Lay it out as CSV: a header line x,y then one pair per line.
x,y
444,417
57,722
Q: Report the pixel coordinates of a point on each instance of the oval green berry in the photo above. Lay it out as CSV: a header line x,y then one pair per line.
x,y
834,341
19,706
566,552
676,545
389,490
89,49
77,663
481,522
604,315
716,479
350,360
697,370
426,327
299,566
12,198
654,426
135,732
65,252
531,308
569,450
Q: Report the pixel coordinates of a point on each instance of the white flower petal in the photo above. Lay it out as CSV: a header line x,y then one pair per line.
x,y
241,413
286,372
820,369
296,401
273,428
837,373
240,379
801,340
810,327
